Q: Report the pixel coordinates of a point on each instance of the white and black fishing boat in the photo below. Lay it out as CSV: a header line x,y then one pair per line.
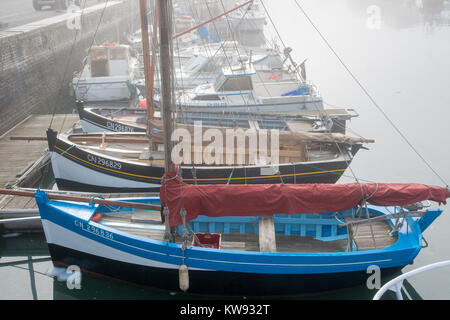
x,y
102,119
121,162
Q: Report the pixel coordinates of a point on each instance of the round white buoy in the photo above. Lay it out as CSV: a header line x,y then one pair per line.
x,y
183,274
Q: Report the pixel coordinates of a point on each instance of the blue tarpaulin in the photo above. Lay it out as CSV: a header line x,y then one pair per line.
x,y
204,34
297,92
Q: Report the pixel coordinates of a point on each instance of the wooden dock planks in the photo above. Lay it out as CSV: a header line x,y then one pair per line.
x,y
16,156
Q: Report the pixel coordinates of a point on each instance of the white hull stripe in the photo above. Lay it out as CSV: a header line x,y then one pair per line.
x,y
100,249
63,237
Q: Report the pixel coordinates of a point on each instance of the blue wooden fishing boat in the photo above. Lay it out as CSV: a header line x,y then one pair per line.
x,y
240,248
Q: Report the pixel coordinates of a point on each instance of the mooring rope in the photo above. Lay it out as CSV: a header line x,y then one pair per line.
x,y
321,113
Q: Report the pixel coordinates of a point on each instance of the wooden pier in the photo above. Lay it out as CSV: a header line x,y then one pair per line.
x,y
17,157
21,161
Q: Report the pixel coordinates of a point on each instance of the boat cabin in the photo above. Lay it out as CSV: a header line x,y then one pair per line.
x,y
109,60
107,74
201,63
234,82
235,79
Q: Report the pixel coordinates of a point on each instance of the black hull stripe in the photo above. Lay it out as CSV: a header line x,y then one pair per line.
x,y
210,282
69,185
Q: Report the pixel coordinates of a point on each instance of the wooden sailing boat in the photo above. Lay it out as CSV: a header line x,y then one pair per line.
x,y
101,119
242,239
121,162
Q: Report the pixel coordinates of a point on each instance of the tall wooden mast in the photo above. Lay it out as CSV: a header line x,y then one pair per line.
x,y
146,56
165,67
164,16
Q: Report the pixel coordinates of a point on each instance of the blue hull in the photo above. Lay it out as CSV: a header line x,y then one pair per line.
x,y
76,240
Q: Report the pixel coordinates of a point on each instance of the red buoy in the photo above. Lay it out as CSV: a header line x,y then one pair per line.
x,y
97,217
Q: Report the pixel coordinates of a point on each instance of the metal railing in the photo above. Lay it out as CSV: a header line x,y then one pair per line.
x,y
396,284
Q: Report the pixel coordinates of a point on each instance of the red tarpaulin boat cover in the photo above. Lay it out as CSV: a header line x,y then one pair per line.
x,y
268,199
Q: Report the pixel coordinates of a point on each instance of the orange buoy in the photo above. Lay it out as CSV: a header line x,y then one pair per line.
x,y
97,217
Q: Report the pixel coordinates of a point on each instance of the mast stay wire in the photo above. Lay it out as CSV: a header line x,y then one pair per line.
x,y
369,95
240,58
65,69
266,40
232,33
314,103
70,57
230,63
208,48
221,47
90,46
212,56
62,82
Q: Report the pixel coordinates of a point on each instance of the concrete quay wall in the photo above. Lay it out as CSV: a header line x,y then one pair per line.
x,y
37,60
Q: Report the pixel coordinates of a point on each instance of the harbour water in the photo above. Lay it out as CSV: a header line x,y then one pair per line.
x,y
400,54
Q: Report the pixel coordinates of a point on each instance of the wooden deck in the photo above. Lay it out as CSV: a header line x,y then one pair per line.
x,y
380,238
250,241
17,156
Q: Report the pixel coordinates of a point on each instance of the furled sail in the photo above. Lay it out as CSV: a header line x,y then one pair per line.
x,y
265,199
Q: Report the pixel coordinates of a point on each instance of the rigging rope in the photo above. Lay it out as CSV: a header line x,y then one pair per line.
x,y
313,103
90,47
70,57
62,83
65,69
368,94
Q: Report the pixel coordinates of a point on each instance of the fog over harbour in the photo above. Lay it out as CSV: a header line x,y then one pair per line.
x,y
386,59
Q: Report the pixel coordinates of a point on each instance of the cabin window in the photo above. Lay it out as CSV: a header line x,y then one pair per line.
x,y
194,63
274,62
117,53
237,84
99,62
214,64
118,63
207,97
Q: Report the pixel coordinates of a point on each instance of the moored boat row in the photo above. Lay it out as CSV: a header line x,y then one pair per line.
x,y
260,213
